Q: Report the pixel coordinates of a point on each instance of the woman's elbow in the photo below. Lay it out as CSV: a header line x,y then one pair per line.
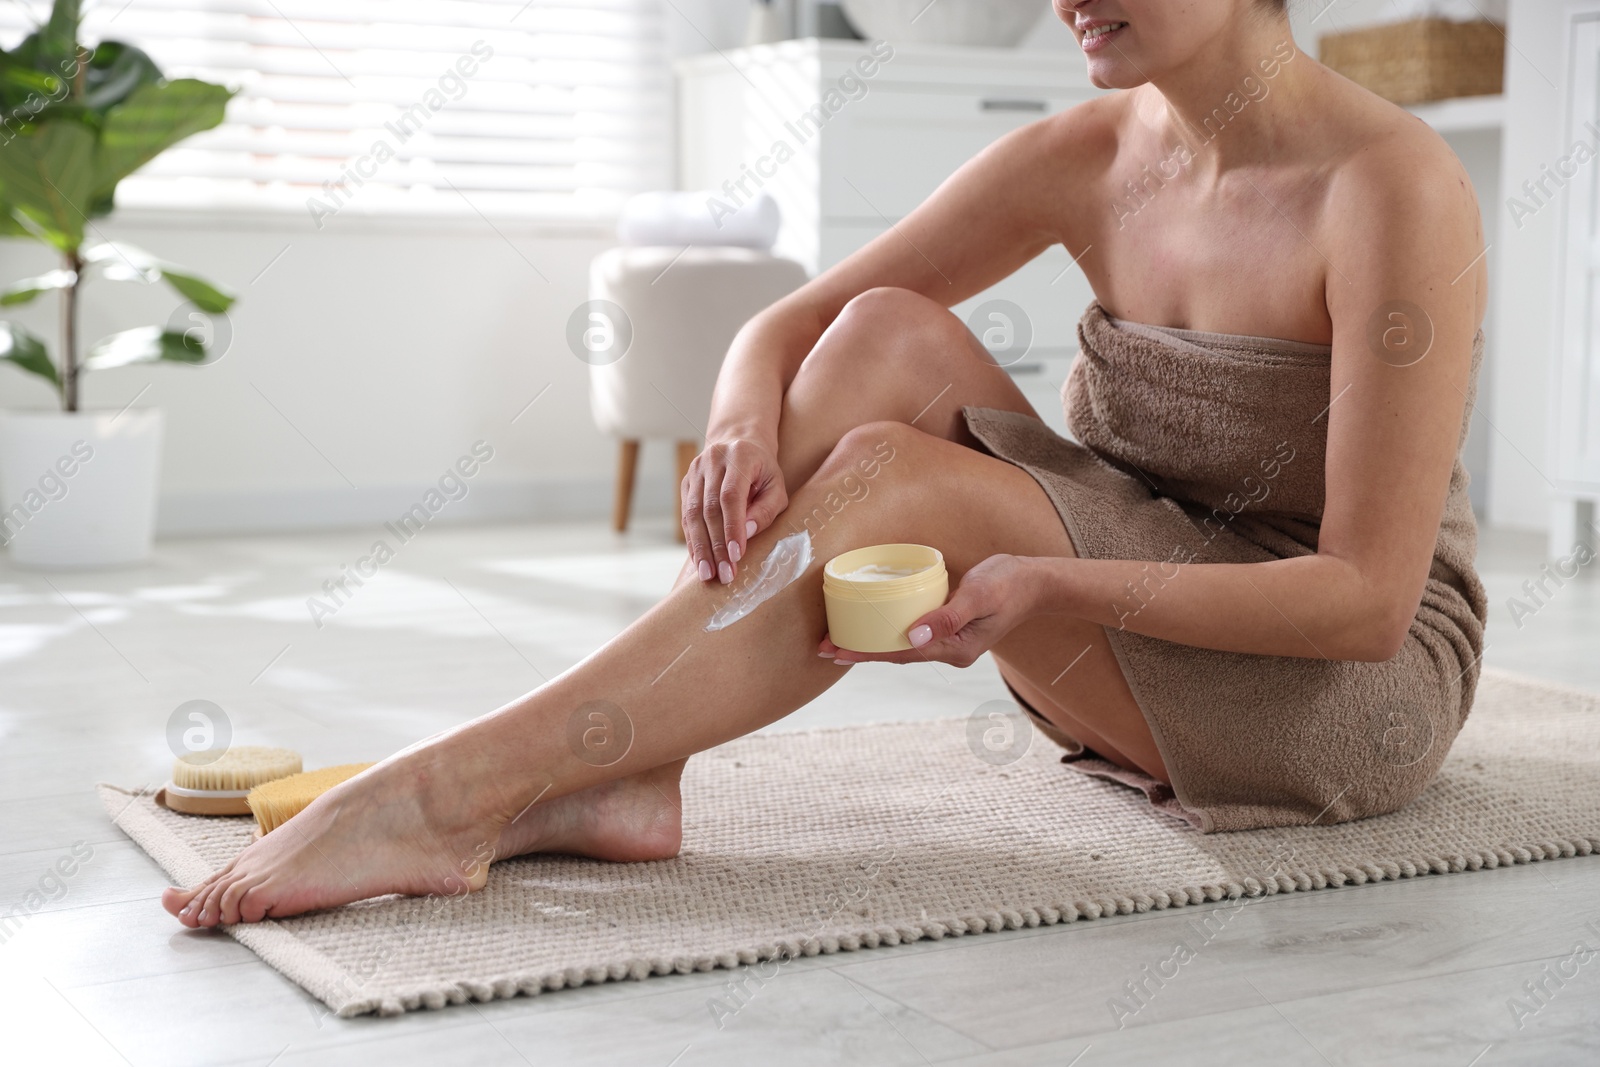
x,y
1378,635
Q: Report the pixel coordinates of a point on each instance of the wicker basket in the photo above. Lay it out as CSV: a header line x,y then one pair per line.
x,y
1422,59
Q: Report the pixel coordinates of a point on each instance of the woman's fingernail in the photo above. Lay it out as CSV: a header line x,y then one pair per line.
x,y
749,527
824,655
920,635
733,551
705,571
725,572
842,662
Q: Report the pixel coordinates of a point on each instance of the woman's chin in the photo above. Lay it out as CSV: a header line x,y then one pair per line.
x,y
1111,75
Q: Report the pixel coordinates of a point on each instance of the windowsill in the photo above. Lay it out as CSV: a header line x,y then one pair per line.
x,y
295,220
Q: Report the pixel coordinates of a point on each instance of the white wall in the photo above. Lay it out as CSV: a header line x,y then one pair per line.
x,y
391,347
1525,281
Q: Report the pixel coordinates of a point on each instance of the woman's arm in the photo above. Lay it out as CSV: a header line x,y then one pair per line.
x,y
1314,606
994,214
1399,224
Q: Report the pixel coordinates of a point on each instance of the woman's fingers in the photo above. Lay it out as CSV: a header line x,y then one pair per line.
x,y
940,624
694,527
724,488
751,498
828,650
734,497
739,511
733,490
766,504
716,539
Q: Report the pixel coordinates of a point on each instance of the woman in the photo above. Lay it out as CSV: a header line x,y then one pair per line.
x,y
1249,592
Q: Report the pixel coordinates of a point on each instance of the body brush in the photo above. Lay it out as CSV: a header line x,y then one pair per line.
x,y
276,802
204,783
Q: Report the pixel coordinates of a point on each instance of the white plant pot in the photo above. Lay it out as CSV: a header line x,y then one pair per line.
x,y
79,490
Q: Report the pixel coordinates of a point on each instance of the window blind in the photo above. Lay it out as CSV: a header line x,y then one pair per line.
x,y
528,108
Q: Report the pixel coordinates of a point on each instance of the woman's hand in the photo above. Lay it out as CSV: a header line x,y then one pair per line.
x,y
734,490
992,598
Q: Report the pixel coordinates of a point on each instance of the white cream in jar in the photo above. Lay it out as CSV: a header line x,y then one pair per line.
x,y
878,572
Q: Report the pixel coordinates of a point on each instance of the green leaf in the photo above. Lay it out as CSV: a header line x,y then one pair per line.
x,y
9,226
25,80
46,175
125,263
144,344
26,53
19,346
24,291
59,35
116,70
152,119
201,293
48,69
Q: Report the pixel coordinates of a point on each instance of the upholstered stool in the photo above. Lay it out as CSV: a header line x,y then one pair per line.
x,y
671,313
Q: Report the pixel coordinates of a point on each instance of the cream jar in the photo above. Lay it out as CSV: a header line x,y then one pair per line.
x,y
873,595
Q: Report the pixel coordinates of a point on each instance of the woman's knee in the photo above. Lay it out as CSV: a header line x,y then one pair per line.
x,y
892,321
864,462
923,474
871,445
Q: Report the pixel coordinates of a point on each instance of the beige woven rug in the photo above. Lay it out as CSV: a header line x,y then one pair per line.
x,y
849,838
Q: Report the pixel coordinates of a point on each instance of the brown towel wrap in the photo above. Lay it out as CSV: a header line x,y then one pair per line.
x,y
1210,448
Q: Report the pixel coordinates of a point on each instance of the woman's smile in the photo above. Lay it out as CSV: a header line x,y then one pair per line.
x,y
1099,34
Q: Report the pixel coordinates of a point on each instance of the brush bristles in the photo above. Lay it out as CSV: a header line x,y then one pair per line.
x,y
276,802
244,767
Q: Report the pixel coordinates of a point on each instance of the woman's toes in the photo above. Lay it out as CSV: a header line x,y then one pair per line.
x,y
186,903
228,903
254,903
175,900
209,912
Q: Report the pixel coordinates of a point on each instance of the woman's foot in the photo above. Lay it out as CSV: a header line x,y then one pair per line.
x,y
410,825
627,821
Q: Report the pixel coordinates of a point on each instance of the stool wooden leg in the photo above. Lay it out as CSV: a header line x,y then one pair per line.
x,y
627,464
687,450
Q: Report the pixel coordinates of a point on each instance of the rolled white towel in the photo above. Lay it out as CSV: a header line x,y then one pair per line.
x,y
699,218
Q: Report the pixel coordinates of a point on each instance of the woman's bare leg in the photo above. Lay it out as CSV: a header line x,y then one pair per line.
x,y
890,355
428,819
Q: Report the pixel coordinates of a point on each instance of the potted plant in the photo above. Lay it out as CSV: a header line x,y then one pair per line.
x,y
77,486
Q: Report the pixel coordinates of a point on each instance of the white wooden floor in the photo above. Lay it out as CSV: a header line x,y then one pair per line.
x,y
91,667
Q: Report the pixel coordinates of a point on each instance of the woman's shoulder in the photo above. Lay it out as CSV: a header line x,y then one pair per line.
x,y
1397,210
1032,166
1089,128
1070,146
1382,159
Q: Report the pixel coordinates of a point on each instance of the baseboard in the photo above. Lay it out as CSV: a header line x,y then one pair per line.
x,y
190,514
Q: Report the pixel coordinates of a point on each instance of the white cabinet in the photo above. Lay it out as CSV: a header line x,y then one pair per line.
x,y
849,136
1575,396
